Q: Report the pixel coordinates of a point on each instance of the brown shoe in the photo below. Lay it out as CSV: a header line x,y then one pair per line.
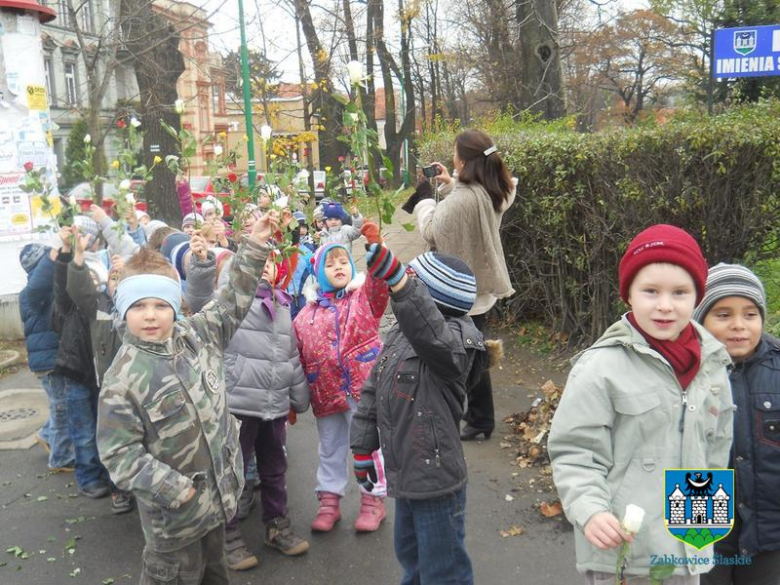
x,y
237,554
279,535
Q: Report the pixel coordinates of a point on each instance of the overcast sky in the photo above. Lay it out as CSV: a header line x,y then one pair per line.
x,y
279,28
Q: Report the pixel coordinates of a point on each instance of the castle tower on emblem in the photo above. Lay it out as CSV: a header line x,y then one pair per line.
x,y
699,510
720,506
677,506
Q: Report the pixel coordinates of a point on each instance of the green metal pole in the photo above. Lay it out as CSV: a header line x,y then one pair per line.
x,y
250,132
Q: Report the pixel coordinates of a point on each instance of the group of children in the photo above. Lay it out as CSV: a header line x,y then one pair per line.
x,y
174,360
687,379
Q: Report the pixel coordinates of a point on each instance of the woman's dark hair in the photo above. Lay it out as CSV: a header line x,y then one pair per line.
x,y
486,170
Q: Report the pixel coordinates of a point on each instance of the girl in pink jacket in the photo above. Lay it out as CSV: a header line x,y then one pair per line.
x,y
338,339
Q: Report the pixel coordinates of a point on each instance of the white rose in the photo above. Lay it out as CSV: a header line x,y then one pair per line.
x,y
135,122
87,139
218,149
72,200
124,185
632,521
179,106
355,69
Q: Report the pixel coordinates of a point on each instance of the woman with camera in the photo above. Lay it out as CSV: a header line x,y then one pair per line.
x,y
465,223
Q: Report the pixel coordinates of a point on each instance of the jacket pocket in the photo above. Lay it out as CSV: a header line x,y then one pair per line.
x,y
169,415
767,408
158,570
640,425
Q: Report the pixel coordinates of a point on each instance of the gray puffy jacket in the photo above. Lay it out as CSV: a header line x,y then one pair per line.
x,y
413,399
263,372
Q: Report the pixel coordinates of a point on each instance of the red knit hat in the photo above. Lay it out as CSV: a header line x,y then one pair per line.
x,y
664,244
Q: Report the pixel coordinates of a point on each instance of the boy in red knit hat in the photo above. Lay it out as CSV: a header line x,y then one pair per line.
x,y
652,394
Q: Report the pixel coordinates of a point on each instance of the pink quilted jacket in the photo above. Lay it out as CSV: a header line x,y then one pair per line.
x,y
338,341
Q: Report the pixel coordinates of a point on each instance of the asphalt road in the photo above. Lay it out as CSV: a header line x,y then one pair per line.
x,y
42,514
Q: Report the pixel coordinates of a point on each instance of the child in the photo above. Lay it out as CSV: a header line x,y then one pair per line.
x,y
211,208
191,222
412,405
335,230
338,339
75,363
35,305
651,394
734,311
303,269
164,430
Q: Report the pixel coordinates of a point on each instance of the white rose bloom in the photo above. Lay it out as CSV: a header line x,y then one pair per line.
x,y
179,106
87,139
218,150
632,521
124,185
72,200
355,69
135,122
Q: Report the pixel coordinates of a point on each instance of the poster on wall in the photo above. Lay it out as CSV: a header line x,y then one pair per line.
x,y
15,212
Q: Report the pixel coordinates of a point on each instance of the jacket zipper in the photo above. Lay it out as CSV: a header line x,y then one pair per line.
x,y
684,408
436,452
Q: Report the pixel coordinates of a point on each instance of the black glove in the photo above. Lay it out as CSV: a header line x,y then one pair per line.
x,y
424,190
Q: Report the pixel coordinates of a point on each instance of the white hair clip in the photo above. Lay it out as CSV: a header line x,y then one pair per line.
x,y
491,150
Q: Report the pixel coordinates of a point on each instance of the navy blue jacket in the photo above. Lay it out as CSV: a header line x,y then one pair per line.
x,y
755,453
35,306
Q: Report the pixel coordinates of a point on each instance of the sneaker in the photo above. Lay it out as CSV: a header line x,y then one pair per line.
x,y
279,535
121,502
96,491
43,444
237,554
246,502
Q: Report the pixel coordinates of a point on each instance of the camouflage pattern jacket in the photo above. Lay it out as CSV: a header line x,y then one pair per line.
x,y
163,422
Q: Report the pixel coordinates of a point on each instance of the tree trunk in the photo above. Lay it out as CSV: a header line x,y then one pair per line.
x,y
329,110
157,71
542,91
410,115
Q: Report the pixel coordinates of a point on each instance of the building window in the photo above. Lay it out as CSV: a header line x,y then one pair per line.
x,y
218,98
85,14
47,70
203,108
63,14
71,84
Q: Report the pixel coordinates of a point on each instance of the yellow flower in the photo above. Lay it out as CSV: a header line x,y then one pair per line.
x,y
115,164
157,160
245,138
273,157
223,134
328,169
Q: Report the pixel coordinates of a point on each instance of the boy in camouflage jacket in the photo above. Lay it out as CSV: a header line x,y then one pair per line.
x,y
164,430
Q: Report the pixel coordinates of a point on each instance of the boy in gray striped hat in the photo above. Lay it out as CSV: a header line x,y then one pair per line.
x,y
734,311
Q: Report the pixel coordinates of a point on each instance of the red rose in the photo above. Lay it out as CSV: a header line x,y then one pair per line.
x,y
28,166
341,159
232,177
121,124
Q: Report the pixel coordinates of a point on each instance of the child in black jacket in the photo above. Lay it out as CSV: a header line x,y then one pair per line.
x,y
412,405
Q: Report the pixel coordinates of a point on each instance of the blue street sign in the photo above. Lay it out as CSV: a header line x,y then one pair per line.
x,y
747,51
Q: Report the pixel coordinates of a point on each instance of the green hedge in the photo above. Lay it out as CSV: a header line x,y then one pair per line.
x,y
582,197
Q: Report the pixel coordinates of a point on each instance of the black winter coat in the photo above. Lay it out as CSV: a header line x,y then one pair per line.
x,y
413,399
755,453
74,357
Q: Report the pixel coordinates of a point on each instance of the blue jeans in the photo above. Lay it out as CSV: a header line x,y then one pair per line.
x,y
55,432
82,423
429,540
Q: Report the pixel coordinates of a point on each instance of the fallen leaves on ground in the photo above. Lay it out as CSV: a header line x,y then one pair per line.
x,y
532,427
551,510
512,531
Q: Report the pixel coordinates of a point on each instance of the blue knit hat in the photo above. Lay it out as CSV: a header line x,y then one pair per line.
x,y
31,254
333,211
174,247
450,282
318,261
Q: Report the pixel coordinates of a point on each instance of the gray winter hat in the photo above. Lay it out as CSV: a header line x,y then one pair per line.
x,y
731,280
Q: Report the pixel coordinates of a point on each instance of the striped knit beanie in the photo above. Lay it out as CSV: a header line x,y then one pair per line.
x,y
174,248
87,227
449,280
731,280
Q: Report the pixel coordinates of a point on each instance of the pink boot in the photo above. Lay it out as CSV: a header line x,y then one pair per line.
x,y
372,512
328,514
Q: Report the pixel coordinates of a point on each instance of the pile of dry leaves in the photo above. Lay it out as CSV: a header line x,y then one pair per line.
x,y
531,428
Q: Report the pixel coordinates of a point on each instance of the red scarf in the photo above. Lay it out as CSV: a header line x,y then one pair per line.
x,y
684,354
